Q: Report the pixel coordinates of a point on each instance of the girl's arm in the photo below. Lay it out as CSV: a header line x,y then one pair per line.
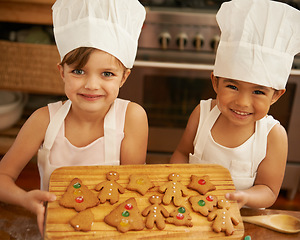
x,y
270,173
185,146
134,144
23,149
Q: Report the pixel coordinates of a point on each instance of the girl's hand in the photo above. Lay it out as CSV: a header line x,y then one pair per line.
x,y
240,196
34,201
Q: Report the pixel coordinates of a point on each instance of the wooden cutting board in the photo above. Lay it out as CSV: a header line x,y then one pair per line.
x,y
57,218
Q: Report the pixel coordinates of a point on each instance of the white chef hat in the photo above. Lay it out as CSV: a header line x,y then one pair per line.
x,y
113,26
259,39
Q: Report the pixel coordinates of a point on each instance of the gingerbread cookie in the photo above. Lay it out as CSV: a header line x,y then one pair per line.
x,y
223,218
139,183
155,213
174,189
109,190
78,196
201,184
126,217
83,221
203,204
180,217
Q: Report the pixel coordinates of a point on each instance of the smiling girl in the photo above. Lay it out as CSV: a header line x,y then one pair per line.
x,y
97,42
252,66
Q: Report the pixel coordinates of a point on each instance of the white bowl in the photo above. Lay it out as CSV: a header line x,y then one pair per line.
x,y
11,108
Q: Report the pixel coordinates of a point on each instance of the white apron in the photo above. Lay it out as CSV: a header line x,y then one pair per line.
x,y
44,165
243,173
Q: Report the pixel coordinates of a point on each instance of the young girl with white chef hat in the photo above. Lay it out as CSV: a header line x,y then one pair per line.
x,y
97,42
259,39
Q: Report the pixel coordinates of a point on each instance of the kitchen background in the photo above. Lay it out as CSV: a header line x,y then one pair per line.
x,y
171,73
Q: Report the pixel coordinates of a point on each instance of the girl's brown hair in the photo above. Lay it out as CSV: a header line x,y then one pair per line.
x,y
80,57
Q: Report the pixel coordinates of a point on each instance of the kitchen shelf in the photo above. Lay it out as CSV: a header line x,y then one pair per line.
x,y
30,68
26,67
26,11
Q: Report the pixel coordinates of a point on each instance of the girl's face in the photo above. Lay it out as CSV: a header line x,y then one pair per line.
x,y
243,103
96,85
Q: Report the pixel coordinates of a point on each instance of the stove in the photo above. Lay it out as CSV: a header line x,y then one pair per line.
x,y
183,31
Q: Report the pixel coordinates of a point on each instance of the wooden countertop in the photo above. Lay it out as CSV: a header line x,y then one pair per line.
x,y
257,232
18,223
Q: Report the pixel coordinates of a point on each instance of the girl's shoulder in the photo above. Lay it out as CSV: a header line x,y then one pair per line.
x,y
135,110
135,115
278,133
40,117
34,129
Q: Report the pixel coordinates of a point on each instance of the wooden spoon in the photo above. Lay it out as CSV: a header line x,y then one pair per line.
x,y
278,222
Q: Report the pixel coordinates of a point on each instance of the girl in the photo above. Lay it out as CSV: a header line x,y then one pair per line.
x,y
93,127
253,62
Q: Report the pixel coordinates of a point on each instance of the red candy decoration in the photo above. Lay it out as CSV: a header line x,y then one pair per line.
x,y
79,199
128,206
209,198
180,216
201,181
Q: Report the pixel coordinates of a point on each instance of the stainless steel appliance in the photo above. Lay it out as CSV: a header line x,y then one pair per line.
x,y
172,73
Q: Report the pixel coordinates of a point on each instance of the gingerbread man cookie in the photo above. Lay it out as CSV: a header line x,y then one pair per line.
x,y
155,213
139,183
173,189
126,217
83,221
180,217
203,204
223,218
78,196
201,184
109,190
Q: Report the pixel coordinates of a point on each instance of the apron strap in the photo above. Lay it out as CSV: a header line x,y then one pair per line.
x,y
206,126
110,134
55,124
260,144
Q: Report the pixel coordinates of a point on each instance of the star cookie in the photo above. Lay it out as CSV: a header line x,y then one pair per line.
x,y
201,184
139,183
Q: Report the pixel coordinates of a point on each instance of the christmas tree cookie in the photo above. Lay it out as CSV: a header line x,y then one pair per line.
x,y
78,196
201,184
180,217
109,190
174,189
203,204
126,217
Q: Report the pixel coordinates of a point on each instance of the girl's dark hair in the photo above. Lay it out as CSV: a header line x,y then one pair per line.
x,y
78,56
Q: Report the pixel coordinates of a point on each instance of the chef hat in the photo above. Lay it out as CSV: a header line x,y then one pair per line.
x,y
259,39
113,26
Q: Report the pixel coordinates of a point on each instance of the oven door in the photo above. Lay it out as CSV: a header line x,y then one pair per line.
x,y
169,92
